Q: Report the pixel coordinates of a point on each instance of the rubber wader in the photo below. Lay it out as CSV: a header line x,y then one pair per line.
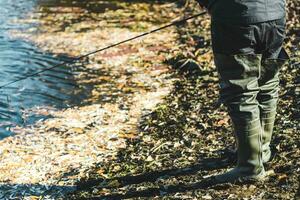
x,y
268,98
239,76
248,58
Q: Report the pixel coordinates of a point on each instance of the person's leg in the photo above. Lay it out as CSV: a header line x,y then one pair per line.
x,y
239,68
239,88
267,98
273,58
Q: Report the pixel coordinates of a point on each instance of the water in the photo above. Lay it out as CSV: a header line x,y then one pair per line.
x,y
55,88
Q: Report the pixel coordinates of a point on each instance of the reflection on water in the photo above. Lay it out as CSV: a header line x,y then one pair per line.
x,y
18,59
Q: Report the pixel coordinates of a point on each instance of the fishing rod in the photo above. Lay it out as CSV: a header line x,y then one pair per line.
x,y
178,22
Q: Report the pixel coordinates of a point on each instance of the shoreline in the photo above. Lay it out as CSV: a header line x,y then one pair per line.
x,y
133,79
153,134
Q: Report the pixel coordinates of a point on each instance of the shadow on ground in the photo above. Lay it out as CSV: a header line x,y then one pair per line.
x,y
208,164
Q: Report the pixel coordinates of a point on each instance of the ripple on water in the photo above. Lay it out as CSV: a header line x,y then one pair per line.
x,y
18,59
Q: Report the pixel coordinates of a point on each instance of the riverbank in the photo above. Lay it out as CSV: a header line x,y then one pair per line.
x,y
147,130
127,82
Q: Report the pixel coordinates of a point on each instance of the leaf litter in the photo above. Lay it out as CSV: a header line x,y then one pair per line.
x,y
149,131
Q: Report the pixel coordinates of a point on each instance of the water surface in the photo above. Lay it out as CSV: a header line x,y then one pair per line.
x,y
55,88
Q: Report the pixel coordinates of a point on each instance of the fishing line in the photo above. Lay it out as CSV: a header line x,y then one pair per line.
x,y
103,49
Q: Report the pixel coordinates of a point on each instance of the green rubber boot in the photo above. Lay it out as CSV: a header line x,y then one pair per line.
x,y
268,98
267,123
249,152
239,86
